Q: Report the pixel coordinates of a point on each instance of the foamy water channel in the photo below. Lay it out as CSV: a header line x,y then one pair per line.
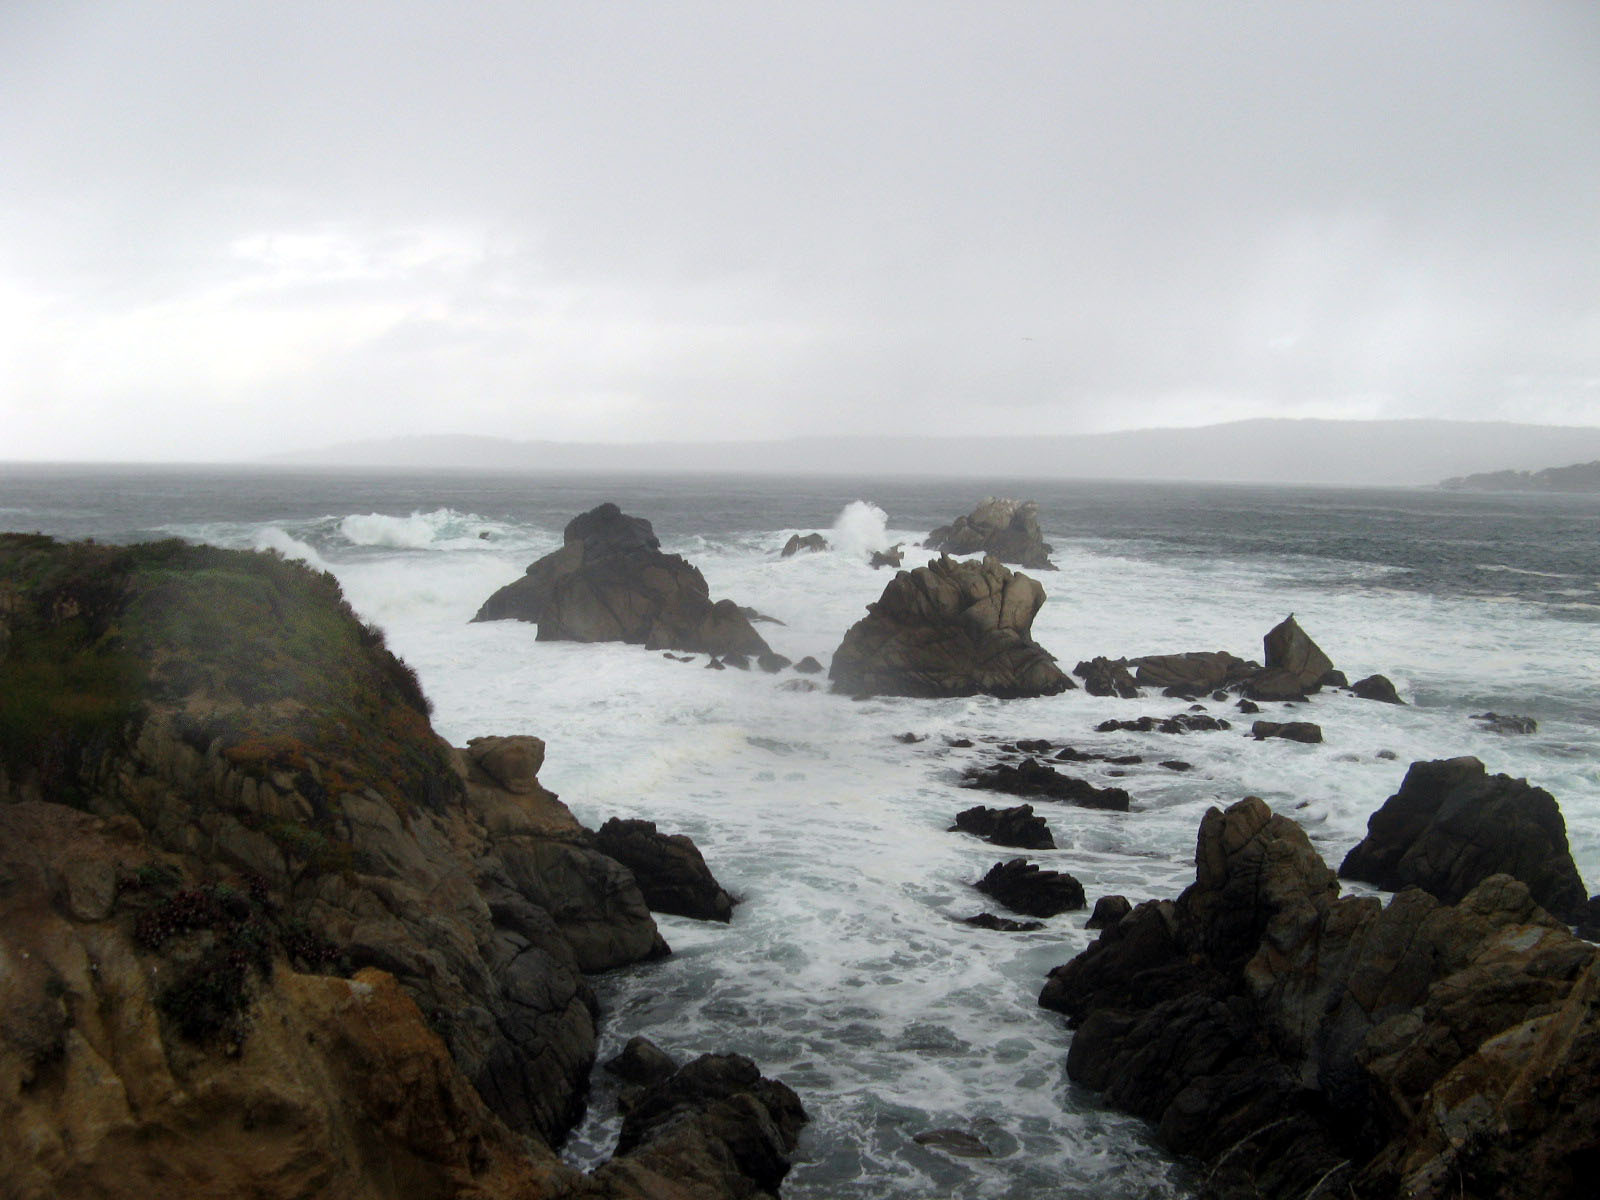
x,y
845,971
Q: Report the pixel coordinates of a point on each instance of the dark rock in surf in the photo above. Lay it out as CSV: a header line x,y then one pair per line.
x,y
1335,679
1028,889
1107,677
1033,778
1293,731
1006,529
949,629
1248,706
986,920
1108,910
1289,648
1452,825
811,543
1006,827
610,582
1180,723
739,662
772,663
1274,684
1376,687
717,1121
892,557
1502,723
1195,674
671,872
641,1061
1308,1046
808,666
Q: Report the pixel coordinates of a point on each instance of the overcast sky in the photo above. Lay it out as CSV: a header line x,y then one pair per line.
x,y
232,228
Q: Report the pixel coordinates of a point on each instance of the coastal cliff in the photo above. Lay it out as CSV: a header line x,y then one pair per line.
x,y
260,923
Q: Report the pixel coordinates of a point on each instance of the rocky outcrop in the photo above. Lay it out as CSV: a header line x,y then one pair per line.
x,y
892,557
669,868
1289,649
1291,731
286,941
1305,1045
1197,673
1031,890
1006,827
610,582
1452,825
810,543
1376,687
949,629
1107,677
714,1127
1006,529
1033,778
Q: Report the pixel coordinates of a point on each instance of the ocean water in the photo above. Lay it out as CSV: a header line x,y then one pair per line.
x,y
844,970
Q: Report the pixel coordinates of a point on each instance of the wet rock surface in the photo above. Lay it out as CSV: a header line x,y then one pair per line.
x,y
1006,827
610,582
1290,731
669,869
1006,529
1452,825
949,629
1304,1045
1033,778
1031,890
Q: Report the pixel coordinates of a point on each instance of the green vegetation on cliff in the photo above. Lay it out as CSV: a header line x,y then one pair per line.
x,y
257,655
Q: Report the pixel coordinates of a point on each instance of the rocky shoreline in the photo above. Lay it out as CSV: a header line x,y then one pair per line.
x,y
252,893
266,934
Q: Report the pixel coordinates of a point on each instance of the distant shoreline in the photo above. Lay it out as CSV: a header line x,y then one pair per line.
x,y
1577,479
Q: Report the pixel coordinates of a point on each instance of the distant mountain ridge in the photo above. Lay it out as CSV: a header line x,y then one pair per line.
x,y
1579,477
1406,453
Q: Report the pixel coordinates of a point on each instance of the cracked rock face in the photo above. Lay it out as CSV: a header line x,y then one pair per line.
x,y
610,582
950,629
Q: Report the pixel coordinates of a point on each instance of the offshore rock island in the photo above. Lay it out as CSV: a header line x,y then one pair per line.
x,y
265,933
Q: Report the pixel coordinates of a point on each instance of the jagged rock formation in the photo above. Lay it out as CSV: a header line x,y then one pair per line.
x,y
1452,825
810,543
1006,827
1029,889
284,941
1007,529
1033,778
949,629
1107,677
671,872
610,582
1296,665
1314,1047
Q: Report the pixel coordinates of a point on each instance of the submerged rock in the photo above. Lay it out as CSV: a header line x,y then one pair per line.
x,y
954,1142
1033,778
610,582
1006,529
1001,924
949,629
1502,723
1452,825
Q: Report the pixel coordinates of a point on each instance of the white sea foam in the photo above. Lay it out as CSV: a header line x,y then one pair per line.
x,y
273,538
859,529
843,970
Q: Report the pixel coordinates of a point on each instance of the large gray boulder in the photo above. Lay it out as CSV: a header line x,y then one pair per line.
x,y
1007,529
610,582
1289,649
950,629
1452,825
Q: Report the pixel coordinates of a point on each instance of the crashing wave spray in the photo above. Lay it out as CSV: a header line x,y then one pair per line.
x,y
860,528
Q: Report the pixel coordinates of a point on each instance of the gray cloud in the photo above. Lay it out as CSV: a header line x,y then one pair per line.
x,y
290,224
